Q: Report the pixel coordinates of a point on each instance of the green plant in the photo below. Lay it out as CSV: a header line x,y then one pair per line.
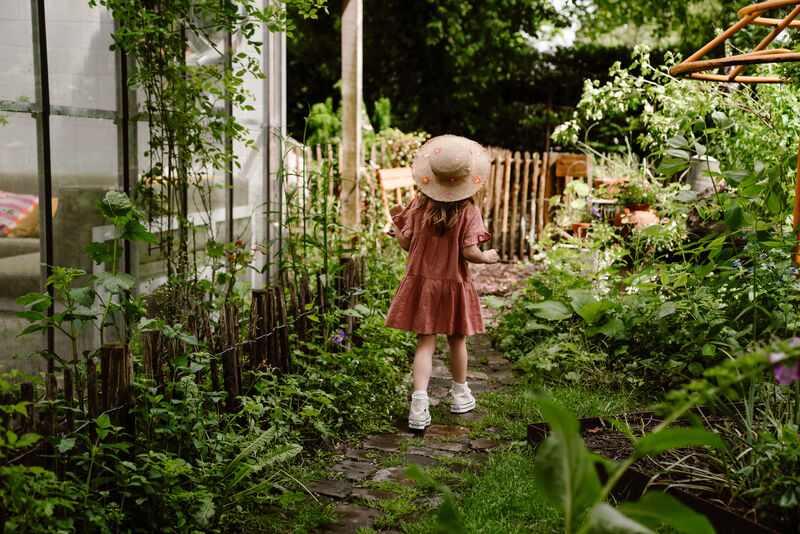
x,y
566,474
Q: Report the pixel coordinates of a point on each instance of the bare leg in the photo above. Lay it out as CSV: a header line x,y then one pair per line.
x,y
458,357
423,361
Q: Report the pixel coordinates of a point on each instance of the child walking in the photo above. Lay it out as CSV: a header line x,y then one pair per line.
x,y
441,230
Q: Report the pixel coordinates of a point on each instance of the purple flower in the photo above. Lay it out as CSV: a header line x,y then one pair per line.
x,y
338,338
785,374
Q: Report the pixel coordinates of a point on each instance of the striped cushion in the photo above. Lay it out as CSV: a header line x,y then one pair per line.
x,y
13,208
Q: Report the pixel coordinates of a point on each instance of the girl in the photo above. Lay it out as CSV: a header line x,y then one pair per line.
x,y
441,230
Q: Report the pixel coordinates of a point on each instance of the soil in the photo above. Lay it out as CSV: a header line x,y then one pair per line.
x,y
500,278
606,441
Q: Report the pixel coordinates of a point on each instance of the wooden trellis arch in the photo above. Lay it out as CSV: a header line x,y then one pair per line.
x,y
696,68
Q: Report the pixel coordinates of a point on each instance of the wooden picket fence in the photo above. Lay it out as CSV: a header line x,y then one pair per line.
x,y
277,314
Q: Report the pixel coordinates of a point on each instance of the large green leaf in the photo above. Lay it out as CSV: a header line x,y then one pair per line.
x,y
116,206
551,310
593,311
612,328
605,519
656,508
116,283
672,438
83,296
578,298
136,231
565,473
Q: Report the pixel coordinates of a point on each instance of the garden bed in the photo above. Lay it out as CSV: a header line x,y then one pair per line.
x,y
602,438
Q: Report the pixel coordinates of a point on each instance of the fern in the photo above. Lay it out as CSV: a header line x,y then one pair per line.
x,y
251,448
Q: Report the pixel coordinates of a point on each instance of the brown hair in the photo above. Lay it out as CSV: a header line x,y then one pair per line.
x,y
441,215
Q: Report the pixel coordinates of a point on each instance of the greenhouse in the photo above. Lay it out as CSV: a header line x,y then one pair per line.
x,y
377,266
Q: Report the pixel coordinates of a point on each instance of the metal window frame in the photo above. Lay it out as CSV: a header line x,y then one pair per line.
x,y
273,127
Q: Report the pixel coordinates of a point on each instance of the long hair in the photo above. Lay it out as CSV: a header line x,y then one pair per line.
x,y
441,215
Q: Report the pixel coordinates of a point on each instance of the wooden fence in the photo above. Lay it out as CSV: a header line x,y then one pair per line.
x,y
514,202
277,314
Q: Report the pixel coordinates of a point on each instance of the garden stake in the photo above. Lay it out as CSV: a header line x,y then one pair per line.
x,y
693,67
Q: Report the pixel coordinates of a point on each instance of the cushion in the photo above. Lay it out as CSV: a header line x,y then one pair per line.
x,y
14,208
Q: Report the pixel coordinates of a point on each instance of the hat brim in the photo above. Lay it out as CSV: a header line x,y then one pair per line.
x,y
426,181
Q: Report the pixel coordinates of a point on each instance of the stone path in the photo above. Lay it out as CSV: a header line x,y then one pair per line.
x,y
364,478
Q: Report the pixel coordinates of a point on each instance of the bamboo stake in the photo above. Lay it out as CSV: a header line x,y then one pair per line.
x,y
515,197
523,251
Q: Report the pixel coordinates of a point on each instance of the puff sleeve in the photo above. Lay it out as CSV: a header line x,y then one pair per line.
x,y
403,220
473,231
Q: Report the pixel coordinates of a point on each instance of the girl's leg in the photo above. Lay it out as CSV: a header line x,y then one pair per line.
x,y
423,361
458,357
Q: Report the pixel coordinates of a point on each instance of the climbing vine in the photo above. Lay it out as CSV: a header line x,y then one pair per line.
x,y
184,77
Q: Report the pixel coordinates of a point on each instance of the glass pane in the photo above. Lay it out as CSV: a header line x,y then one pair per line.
x,y
16,51
84,163
19,236
82,68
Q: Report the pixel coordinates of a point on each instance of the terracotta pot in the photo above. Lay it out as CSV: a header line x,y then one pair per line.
x,y
581,229
637,217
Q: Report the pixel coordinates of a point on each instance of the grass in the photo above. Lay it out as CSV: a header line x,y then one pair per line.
x,y
503,499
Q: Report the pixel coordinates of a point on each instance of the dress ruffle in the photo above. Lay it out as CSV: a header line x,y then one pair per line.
x,y
436,306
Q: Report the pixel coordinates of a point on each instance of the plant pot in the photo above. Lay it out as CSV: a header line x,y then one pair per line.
x,y
581,229
639,215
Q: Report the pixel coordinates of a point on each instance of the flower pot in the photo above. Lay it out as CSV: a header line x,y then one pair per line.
x,y
636,214
581,229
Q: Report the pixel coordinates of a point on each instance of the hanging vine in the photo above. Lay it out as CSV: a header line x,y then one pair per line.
x,y
184,82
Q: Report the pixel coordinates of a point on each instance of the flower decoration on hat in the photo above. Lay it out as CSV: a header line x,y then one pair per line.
x,y
453,178
425,179
437,150
476,180
449,194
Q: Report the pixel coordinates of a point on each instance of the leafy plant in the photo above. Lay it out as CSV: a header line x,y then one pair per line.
x,y
566,472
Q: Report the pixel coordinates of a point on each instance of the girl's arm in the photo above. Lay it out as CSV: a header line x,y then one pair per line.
x,y
473,254
402,240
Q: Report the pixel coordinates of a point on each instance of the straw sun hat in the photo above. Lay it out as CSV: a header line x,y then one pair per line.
x,y
450,168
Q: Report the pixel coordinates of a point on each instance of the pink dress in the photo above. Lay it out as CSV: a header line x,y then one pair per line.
x,y
437,295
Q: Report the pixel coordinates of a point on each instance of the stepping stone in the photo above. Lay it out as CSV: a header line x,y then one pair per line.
x,y
338,489
440,382
469,416
476,375
419,459
433,401
386,442
479,387
361,454
352,518
507,381
430,452
439,393
483,443
447,446
354,471
372,494
393,474
440,371
431,501
446,431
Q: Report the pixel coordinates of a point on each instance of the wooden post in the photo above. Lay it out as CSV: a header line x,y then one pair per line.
x,y
506,197
294,309
27,393
213,348
350,161
516,181
231,372
497,195
91,388
524,251
152,347
69,400
282,332
544,204
117,381
258,329
51,393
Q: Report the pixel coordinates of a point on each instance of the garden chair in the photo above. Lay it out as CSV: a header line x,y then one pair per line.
x,y
394,180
